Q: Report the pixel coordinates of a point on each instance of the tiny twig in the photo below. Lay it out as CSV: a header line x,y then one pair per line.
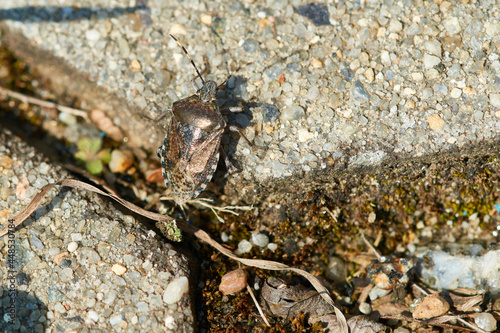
x,y
364,293
258,306
43,103
370,246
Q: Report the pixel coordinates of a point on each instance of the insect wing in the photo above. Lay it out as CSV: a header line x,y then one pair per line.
x,y
200,155
169,153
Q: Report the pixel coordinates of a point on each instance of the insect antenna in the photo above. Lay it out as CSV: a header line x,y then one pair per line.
x,y
232,74
190,59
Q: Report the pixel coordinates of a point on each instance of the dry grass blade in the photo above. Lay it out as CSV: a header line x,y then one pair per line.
x,y
43,103
185,226
258,306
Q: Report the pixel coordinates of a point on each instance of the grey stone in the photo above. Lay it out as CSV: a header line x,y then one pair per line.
x,y
293,112
359,93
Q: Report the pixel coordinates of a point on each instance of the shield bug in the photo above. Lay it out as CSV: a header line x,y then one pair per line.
x,y
190,152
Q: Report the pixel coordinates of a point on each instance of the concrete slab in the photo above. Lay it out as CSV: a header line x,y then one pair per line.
x,y
381,82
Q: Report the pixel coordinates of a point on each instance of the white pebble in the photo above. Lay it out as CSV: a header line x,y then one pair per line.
x,y
431,61
272,246
260,240
495,100
244,246
176,290
92,35
119,269
376,292
417,76
115,320
486,321
72,246
452,26
433,47
170,322
456,93
365,308
92,316
492,28
305,135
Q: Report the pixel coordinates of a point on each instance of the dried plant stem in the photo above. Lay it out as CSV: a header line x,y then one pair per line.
x,y
43,103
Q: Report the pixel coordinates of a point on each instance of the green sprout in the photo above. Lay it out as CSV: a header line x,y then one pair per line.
x,y
90,153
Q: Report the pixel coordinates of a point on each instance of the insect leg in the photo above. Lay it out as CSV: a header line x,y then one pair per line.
x,y
232,109
240,132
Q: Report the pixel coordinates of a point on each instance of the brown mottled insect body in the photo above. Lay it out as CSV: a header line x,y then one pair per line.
x,y
190,152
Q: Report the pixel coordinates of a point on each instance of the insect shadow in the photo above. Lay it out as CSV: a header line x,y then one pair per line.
x,y
231,98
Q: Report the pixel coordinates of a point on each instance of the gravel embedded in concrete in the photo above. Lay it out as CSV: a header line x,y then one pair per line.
x,y
363,86
115,273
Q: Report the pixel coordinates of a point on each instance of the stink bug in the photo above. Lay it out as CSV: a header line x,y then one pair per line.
x,y
190,152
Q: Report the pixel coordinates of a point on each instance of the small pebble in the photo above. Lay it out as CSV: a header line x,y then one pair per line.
x,y
469,91
365,308
359,93
417,76
485,321
93,316
5,162
371,217
206,19
250,45
452,26
176,290
305,136
121,160
72,246
433,47
336,270
115,319
369,74
495,100
456,93
36,242
431,61
119,269
401,330
177,29
431,306
293,112
376,292
136,65
316,63
316,12
492,28
233,282
76,237
270,112
272,246
244,246
92,35
259,239
435,122
272,44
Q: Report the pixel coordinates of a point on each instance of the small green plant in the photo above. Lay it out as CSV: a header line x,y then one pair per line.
x,y
90,153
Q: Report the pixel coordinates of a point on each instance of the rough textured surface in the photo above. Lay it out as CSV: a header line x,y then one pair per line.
x,y
82,264
386,80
